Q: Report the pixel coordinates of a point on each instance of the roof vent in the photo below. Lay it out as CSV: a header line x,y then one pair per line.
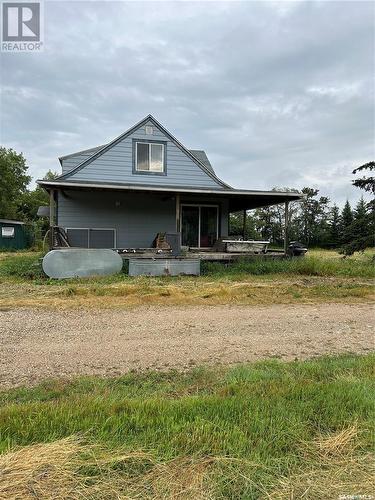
x,y
149,130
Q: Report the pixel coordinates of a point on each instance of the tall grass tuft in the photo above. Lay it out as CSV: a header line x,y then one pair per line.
x,y
22,265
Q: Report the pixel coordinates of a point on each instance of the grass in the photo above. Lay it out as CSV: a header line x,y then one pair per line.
x,y
321,277
264,430
325,263
317,264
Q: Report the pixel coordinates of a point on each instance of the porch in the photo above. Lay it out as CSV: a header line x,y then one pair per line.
x,y
127,218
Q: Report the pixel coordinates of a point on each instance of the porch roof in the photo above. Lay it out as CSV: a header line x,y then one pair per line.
x,y
239,199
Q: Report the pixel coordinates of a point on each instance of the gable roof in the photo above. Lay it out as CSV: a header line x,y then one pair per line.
x,y
98,151
198,153
84,151
202,157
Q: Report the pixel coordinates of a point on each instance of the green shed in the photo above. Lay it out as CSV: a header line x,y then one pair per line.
x,y
14,235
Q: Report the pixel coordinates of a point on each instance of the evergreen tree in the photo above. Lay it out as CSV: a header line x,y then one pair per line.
x,y
346,220
334,226
360,233
366,183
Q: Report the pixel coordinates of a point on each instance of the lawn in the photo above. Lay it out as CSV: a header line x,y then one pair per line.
x,y
265,430
319,277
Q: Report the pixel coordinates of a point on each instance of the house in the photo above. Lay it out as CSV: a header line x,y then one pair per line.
x,y
145,182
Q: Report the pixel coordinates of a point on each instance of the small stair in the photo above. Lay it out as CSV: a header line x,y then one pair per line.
x,y
60,238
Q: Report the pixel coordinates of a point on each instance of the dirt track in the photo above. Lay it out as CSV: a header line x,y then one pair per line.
x,y
36,344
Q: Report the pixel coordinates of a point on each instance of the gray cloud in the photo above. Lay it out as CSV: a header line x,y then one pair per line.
x,y
277,93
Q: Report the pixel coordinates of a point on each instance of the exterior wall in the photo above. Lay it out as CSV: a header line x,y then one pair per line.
x,y
116,165
136,217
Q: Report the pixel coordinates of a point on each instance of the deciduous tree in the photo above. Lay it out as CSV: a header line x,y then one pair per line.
x,y
13,182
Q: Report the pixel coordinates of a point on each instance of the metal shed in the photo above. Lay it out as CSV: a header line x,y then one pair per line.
x,y
14,235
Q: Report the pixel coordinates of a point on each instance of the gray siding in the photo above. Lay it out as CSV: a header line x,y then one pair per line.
x,y
116,165
136,217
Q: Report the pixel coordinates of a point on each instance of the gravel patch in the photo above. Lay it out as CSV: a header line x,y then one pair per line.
x,y
38,344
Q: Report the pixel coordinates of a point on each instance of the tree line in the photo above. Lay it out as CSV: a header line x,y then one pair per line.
x,y
315,221
17,200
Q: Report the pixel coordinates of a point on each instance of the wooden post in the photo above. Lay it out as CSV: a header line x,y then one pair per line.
x,y
286,228
178,224
244,225
51,217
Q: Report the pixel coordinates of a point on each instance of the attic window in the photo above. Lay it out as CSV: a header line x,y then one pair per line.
x,y
149,130
149,157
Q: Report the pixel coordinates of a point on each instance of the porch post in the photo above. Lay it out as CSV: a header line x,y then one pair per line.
x,y
244,224
286,228
51,217
178,225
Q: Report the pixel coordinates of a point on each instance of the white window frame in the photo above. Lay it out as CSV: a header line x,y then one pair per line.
x,y
95,228
150,144
200,205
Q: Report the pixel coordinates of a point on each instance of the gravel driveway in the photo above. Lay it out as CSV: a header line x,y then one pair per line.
x,y
37,344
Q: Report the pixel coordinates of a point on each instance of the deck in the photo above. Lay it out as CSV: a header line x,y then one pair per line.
x,y
202,255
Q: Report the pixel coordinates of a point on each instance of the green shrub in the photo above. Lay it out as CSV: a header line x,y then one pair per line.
x,y
22,266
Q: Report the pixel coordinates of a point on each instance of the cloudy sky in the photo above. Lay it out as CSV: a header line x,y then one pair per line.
x,y
278,94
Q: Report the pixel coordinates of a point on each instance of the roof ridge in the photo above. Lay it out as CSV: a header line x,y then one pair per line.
x,y
102,149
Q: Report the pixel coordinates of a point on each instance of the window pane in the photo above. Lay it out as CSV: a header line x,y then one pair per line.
x,y
190,226
157,158
208,226
102,238
78,237
142,156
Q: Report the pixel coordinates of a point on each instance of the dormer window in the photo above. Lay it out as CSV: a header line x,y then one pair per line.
x,y
149,157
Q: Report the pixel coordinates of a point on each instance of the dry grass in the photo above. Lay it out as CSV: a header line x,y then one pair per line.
x,y
369,253
40,471
68,468
148,291
335,467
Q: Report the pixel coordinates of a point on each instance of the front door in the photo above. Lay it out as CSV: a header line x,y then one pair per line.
x,y
199,225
